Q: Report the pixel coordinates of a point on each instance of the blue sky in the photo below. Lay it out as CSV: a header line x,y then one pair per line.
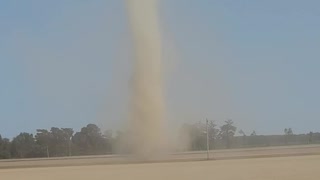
x,y
68,63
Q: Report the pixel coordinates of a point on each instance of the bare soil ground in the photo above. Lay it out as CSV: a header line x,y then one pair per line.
x,y
291,162
282,168
186,156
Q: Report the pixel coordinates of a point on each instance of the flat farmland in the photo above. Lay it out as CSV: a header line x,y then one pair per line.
x,y
292,163
282,168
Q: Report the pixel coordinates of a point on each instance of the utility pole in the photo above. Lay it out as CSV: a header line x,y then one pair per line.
x,y
69,146
207,124
48,151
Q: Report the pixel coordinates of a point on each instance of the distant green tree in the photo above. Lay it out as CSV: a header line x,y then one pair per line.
x,y
213,134
310,137
244,137
253,133
242,132
5,148
43,139
67,134
91,141
254,140
23,146
288,131
227,131
60,141
56,142
288,134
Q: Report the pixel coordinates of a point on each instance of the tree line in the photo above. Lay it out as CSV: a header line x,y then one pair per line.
x,y
224,137
58,142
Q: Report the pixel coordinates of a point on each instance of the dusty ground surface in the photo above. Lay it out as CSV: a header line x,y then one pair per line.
x,y
282,168
189,156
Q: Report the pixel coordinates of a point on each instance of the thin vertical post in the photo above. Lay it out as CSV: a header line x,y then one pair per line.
x,y
207,124
69,146
48,151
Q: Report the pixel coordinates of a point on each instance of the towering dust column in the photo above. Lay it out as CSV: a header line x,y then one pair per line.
x,y
148,106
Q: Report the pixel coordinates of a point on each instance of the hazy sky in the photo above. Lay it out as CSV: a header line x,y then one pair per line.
x,y
68,63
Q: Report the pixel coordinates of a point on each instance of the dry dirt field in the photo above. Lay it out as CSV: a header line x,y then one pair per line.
x,y
283,163
282,168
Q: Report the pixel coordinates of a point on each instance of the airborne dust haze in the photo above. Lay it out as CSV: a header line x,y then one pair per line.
x,y
147,116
